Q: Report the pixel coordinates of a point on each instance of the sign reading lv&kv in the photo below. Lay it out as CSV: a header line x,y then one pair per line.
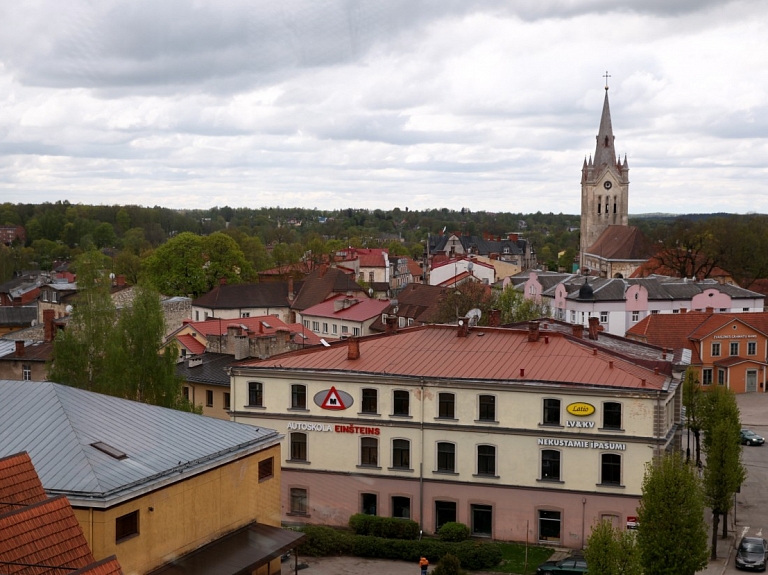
x,y
580,409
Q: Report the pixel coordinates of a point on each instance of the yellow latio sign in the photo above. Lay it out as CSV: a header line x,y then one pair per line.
x,y
580,409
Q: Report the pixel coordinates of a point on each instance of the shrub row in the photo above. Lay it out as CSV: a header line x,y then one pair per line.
x,y
389,527
327,541
453,531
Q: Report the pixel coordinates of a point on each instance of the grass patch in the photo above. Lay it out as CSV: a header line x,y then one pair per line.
x,y
513,558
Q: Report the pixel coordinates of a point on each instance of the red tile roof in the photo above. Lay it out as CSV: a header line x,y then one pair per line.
x,y
108,566
495,354
359,309
44,533
191,343
19,483
263,324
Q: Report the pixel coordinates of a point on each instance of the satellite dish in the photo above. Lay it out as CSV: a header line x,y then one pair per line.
x,y
111,276
470,267
474,316
68,309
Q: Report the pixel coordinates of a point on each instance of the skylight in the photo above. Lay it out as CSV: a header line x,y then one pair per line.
x,y
109,450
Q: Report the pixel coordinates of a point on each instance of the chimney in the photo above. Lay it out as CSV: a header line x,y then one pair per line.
x,y
290,288
120,280
494,318
19,348
463,327
533,331
710,310
683,310
391,327
282,336
578,330
594,327
353,348
48,317
512,237
261,327
222,281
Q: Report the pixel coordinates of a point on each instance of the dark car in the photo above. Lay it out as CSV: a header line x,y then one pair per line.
x,y
751,554
749,437
567,565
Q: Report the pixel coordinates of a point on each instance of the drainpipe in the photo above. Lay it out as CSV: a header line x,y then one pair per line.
x,y
583,518
421,463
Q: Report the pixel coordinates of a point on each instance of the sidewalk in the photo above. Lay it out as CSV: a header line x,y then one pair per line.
x,y
725,547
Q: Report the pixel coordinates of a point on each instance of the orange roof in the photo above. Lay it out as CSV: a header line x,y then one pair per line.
x,y
263,324
191,343
19,483
45,533
505,355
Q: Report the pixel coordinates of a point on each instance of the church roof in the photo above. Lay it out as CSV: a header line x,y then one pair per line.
x,y
605,153
621,243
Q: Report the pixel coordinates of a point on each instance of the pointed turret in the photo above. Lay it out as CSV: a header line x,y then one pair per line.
x,y
604,151
626,165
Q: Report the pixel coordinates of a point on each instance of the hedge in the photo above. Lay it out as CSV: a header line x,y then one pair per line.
x,y
389,527
321,541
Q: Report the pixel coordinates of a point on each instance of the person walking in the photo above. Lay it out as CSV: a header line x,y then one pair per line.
x,y
423,565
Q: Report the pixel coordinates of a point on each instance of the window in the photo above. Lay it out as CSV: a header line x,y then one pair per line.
x,y
55,297
486,460
26,372
266,468
126,526
482,520
306,323
401,321
344,329
654,311
487,405
205,315
370,403
611,415
209,398
573,316
603,317
401,507
401,454
610,473
226,400
45,295
745,309
716,349
325,327
315,326
720,377
335,328
446,407
549,525
255,394
298,396
197,315
706,376
400,403
550,465
356,331
551,412
369,451
298,446
446,457
185,392
445,512
752,348
245,314
635,316
734,348
298,501
369,503
675,311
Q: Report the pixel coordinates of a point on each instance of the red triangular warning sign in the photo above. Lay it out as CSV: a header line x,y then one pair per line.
x,y
333,400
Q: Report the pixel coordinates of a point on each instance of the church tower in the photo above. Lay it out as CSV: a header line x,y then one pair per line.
x,y
604,186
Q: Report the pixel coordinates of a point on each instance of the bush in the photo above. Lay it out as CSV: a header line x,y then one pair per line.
x,y
453,531
475,556
389,527
321,541
449,565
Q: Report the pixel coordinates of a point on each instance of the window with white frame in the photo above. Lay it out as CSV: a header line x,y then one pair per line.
x,y
706,376
325,327
603,317
734,348
26,372
635,316
315,326
716,349
751,348
356,331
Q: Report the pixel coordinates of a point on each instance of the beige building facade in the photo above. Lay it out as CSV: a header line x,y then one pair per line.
x,y
518,455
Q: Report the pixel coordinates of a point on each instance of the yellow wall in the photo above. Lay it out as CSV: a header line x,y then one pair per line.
x,y
197,395
187,514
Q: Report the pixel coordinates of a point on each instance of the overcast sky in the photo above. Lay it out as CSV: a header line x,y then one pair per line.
x,y
382,103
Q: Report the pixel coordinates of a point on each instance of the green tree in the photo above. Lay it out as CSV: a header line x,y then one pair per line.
x,y
176,267
129,265
457,302
104,235
723,472
612,551
141,373
692,400
224,260
449,565
80,351
516,307
256,253
671,533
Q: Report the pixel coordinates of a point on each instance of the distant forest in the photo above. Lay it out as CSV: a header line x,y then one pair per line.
x,y
58,232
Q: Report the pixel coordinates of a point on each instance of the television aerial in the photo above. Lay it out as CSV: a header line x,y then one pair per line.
x,y
474,316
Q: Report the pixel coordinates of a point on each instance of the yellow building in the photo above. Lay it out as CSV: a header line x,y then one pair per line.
x,y
522,434
152,485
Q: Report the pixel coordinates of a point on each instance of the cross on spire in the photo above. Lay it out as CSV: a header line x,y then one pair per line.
x,y
606,76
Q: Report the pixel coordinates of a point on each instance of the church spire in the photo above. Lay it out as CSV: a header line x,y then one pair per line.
x,y
605,154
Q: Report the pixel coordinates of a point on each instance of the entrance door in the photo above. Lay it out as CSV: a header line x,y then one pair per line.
x,y
751,380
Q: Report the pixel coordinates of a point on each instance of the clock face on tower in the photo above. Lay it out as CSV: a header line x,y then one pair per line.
x,y
607,185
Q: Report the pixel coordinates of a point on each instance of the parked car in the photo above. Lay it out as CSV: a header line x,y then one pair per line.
x,y
752,553
568,565
749,437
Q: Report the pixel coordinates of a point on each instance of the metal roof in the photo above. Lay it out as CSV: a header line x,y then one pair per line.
x,y
57,426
